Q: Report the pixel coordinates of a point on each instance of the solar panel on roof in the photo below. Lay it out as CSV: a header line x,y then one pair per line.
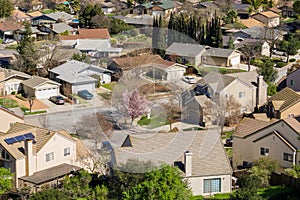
x,y
20,138
29,136
10,140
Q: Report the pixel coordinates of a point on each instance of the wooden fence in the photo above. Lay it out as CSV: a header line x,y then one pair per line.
x,y
283,179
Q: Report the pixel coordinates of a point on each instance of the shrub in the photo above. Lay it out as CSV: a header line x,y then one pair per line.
x,y
13,92
292,60
280,64
277,60
19,96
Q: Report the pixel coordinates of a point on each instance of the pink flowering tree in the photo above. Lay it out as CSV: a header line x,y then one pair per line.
x,y
134,104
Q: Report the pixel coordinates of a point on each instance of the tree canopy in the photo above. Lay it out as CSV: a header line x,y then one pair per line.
x,y
6,6
5,180
267,70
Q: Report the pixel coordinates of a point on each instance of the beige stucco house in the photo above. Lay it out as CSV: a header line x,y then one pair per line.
x,y
293,80
268,18
10,81
40,88
8,118
202,159
221,57
278,140
284,104
38,157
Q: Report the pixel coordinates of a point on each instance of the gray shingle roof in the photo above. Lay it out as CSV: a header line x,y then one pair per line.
x,y
183,49
138,20
218,52
208,153
259,32
59,15
49,174
61,27
35,81
164,4
250,78
70,71
95,45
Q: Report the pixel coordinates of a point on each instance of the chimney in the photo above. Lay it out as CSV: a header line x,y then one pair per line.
x,y
261,96
29,157
188,163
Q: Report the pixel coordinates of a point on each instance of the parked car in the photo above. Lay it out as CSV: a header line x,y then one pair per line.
x,y
7,41
85,94
57,100
189,79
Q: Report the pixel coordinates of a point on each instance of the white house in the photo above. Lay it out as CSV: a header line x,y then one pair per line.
x,y
38,157
203,161
40,88
75,76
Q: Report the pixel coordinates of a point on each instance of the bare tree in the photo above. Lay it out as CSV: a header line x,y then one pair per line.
x,y
250,52
173,112
233,111
30,99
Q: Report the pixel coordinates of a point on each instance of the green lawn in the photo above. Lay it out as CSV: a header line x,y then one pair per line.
x,y
8,103
289,20
227,134
216,196
275,192
153,122
109,86
13,46
47,11
35,112
205,70
106,95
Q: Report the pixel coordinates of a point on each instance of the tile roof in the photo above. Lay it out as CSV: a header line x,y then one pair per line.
x,y
250,22
50,174
88,34
132,62
170,147
184,49
288,96
42,136
36,81
248,126
268,14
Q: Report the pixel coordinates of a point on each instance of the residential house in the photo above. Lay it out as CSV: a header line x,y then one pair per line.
x,y
206,5
268,18
97,48
203,162
276,10
10,81
165,70
34,14
221,57
163,7
57,29
107,7
19,16
37,157
101,34
122,65
7,28
258,32
10,118
251,22
75,76
40,88
138,21
52,18
240,43
242,10
292,80
36,5
187,53
247,88
287,9
8,57
254,139
283,104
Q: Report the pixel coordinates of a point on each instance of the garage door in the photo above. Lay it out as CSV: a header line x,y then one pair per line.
x,y
235,61
46,93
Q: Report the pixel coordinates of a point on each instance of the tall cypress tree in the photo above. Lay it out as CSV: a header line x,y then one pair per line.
x,y
171,27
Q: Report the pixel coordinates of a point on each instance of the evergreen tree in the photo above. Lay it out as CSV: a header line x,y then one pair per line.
x,y
6,6
171,26
230,42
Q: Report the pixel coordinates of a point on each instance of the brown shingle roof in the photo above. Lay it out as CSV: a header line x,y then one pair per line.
x,y
248,126
88,34
269,14
35,81
288,96
35,14
292,122
42,136
132,62
50,174
275,10
251,22
17,14
9,25
170,147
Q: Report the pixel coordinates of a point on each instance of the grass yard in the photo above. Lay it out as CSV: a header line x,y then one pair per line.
x,y
8,103
205,70
47,11
109,86
227,134
106,95
13,46
216,196
277,192
153,122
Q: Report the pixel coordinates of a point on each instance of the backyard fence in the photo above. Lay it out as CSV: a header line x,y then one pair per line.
x,y
283,179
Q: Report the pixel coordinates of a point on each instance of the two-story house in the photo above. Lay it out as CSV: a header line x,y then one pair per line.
x,y
278,140
268,18
293,81
38,157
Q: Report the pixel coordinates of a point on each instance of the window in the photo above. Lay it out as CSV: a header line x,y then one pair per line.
x,y
212,185
292,82
288,157
67,151
5,155
49,156
264,151
242,94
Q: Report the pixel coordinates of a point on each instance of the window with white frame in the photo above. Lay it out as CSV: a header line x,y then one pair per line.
x,y
288,157
49,156
212,185
67,151
242,94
